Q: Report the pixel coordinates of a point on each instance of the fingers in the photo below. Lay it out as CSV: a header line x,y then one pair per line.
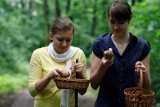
x,y
77,68
53,74
139,66
107,62
59,72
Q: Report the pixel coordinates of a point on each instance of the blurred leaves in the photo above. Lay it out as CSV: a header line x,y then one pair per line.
x,y
11,83
145,24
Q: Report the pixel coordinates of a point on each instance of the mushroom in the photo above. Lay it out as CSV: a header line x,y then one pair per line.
x,y
108,54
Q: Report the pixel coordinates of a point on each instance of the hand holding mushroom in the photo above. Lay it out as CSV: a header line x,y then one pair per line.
x,y
58,73
108,57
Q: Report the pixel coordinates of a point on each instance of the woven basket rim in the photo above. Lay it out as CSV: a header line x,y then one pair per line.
x,y
127,90
71,83
71,79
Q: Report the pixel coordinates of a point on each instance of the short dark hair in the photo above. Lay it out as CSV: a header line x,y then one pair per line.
x,y
120,10
61,24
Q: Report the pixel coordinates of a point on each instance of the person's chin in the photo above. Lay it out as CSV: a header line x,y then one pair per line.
x,y
118,33
62,51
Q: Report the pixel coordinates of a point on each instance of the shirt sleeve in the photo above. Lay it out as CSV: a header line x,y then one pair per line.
x,y
35,72
97,48
146,50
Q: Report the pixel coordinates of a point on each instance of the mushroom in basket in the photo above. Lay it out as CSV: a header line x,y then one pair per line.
x,y
64,73
73,73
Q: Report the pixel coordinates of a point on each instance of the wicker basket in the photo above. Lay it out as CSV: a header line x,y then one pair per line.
x,y
71,83
138,96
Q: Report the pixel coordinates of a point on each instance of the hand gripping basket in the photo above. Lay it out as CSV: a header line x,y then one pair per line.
x,y
138,96
71,83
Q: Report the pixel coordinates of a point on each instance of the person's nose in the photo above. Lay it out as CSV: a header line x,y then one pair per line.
x,y
116,26
64,43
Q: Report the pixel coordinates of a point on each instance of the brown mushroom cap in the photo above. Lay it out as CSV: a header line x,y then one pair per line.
x,y
108,54
65,74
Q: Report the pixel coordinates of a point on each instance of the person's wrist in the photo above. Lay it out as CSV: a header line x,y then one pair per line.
x,y
103,64
49,76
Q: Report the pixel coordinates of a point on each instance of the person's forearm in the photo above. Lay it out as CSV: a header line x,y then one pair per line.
x,y
147,81
98,76
41,84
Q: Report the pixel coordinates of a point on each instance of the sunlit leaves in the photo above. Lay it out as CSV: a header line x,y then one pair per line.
x,y
8,83
145,24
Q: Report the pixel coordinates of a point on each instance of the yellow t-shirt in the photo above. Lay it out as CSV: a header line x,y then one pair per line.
x,y
41,64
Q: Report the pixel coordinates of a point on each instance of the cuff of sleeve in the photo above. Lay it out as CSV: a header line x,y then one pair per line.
x,y
33,90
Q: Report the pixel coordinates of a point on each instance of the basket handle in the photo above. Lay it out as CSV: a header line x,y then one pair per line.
x,y
140,85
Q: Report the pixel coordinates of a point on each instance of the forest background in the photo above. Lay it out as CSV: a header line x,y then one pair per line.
x,y
25,25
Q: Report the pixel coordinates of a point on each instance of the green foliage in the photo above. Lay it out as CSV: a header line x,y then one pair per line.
x,y
89,59
85,40
158,105
20,34
145,24
17,37
12,83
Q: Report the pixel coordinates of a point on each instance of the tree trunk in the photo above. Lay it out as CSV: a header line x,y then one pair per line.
x,y
85,9
46,20
104,7
133,2
23,6
94,19
22,3
30,8
140,0
57,8
68,6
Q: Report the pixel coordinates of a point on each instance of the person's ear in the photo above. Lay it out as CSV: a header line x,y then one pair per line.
x,y
130,19
51,36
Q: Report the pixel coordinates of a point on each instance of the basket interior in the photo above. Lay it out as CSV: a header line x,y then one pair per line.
x,y
71,83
